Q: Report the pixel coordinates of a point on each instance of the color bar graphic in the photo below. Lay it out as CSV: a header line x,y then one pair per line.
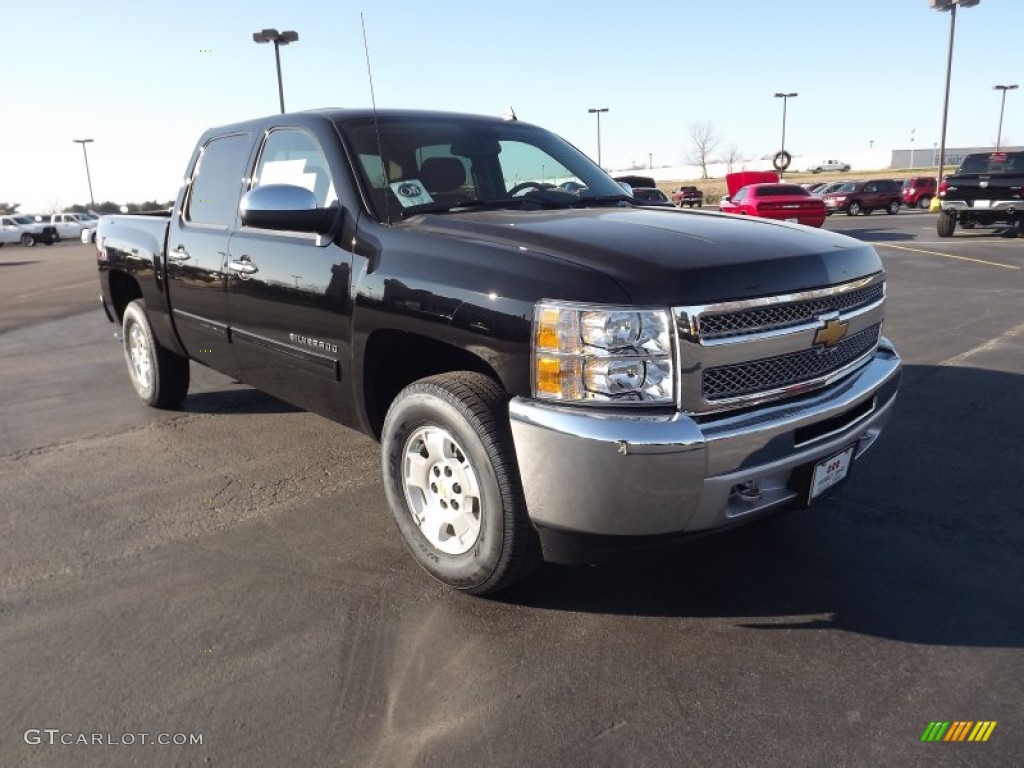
x,y
958,730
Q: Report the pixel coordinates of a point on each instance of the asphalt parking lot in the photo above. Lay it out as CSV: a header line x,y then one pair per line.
x,y
230,570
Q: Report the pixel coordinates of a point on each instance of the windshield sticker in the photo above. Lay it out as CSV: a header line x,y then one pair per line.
x,y
411,192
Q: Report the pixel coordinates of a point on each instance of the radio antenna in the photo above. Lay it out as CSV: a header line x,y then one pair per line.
x,y
376,124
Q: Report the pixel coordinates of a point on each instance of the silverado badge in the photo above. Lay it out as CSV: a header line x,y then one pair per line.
x,y
831,333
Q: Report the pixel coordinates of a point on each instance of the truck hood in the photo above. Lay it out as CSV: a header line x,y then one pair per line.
x,y
669,257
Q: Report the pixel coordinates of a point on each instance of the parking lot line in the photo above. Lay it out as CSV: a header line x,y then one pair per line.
x,y
947,255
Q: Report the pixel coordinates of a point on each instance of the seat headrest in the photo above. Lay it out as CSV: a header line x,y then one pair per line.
x,y
442,174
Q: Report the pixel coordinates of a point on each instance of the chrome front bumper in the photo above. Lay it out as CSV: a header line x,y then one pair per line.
x,y
621,473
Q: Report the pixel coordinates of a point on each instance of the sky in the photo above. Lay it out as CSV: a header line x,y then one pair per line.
x,y
144,80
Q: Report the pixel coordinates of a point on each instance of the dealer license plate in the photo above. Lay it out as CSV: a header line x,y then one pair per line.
x,y
831,471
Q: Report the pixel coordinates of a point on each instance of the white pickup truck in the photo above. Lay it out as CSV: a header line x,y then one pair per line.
x,y
69,225
19,228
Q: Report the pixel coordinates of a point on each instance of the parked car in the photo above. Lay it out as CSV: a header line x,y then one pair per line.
x,y
689,196
830,165
651,196
986,189
783,202
22,228
550,375
918,191
89,234
68,225
856,197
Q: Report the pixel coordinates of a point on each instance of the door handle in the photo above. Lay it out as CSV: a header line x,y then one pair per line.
x,y
178,255
243,266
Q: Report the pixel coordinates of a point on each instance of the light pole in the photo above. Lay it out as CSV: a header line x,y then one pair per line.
x,y
785,100
278,39
88,176
650,160
1004,89
948,5
597,111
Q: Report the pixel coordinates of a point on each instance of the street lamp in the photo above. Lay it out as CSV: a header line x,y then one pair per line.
x,y
1004,89
597,111
88,176
785,100
650,160
948,5
278,39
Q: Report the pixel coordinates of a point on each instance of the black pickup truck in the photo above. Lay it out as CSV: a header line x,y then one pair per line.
x,y
987,188
552,374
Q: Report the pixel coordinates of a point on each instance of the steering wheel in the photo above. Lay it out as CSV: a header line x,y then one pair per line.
x,y
524,186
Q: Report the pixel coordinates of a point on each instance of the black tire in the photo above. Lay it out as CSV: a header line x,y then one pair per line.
x,y
893,207
28,240
945,224
816,170
160,377
845,168
867,211
853,208
924,202
465,415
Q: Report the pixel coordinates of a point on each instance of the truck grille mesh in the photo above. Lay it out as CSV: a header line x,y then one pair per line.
x,y
758,376
768,318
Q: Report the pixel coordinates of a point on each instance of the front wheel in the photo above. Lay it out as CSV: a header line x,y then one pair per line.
x,y
27,240
853,209
452,482
159,376
924,202
893,207
945,224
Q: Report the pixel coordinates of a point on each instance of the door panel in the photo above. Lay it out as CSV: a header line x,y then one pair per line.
x,y
197,247
290,316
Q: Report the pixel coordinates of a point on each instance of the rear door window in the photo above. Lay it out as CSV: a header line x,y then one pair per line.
x,y
217,181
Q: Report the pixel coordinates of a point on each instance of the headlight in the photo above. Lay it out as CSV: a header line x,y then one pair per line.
x,y
602,354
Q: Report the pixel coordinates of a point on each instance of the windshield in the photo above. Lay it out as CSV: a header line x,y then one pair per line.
x,y
451,163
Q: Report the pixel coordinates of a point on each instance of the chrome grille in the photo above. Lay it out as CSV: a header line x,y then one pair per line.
x,y
777,316
729,381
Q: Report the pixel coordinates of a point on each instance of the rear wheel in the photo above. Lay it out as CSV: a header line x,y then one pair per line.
x,y
853,208
924,202
945,224
452,482
159,376
893,207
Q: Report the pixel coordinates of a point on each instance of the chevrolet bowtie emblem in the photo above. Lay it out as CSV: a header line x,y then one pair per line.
x,y
832,333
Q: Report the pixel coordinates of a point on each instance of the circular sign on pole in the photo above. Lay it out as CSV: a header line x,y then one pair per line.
x,y
782,160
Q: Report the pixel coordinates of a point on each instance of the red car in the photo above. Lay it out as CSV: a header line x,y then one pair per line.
x,y
785,202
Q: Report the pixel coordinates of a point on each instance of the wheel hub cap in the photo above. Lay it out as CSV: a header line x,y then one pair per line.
x,y
138,353
442,490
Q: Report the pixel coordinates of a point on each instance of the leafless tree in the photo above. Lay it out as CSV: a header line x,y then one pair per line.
x,y
8,208
732,157
704,140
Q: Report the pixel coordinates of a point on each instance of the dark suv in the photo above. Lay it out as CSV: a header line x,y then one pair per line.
x,y
865,196
918,191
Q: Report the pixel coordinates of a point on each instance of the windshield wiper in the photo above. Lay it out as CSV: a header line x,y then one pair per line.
x,y
601,199
511,202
